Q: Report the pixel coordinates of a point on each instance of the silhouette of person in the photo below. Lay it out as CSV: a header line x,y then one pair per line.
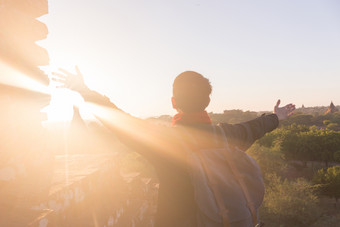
x,y
163,146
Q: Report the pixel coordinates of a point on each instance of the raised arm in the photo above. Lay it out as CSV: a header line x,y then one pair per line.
x,y
243,135
139,135
75,82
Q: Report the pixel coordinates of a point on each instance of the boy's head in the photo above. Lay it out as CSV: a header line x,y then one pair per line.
x,y
191,92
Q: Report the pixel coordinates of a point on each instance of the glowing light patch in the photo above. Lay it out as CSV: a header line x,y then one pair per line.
x,y
12,77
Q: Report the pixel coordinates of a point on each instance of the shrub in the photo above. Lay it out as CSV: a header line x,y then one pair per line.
x,y
328,182
326,122
269,160
333,126
289,203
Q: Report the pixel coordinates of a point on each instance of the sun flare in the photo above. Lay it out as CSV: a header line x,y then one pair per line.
x,y
61,106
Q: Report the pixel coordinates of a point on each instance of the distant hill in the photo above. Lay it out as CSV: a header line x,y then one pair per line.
x,y
304,115
228,116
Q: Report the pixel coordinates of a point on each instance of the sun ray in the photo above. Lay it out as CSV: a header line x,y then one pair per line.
x,y
12,77
136,132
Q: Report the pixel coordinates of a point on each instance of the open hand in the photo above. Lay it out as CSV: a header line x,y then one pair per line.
x,y
71,81
283,112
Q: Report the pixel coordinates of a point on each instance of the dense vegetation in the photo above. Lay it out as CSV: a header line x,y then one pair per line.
x,y
301,167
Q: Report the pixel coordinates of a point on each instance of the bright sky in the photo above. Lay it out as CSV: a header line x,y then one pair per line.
x,y
253,52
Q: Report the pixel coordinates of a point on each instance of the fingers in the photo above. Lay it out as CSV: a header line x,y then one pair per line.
x,y
59,80
278,103
77,70
290,114
62,76
290,107
65,71
68,80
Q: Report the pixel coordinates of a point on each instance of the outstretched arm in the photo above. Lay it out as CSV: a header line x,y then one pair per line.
x,y
75,82
136,133
245,134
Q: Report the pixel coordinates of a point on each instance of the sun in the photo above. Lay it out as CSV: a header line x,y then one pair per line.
x,y
61,106
63,100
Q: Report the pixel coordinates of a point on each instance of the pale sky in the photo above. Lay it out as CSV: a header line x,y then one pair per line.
x,y
253,52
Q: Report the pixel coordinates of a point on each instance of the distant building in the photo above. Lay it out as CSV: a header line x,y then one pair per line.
x,y
331,109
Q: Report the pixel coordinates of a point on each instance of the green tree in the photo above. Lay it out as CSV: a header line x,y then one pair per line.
x,y
299,119
289,203
328,182
233,116
314,144
269,160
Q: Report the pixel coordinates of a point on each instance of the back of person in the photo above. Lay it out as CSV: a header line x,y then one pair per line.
x,y
177,205
176,200
228,184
